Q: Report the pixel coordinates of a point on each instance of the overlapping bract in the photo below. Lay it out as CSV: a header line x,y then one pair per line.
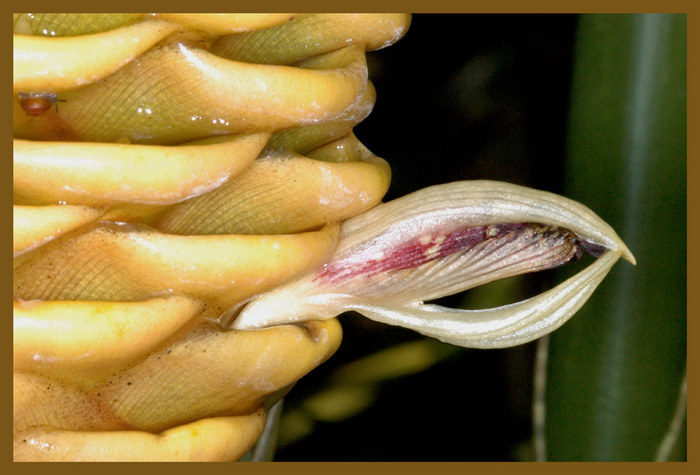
x,y
168,184
189,191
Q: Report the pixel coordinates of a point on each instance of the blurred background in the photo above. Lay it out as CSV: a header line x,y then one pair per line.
x,y
592,107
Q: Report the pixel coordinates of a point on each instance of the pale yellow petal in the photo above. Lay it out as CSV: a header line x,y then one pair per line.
x,y
419,247
501,327
478,203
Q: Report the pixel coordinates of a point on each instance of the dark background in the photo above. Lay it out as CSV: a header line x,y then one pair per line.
x,y
460,97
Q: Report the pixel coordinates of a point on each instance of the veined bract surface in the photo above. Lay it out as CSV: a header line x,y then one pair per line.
x,y
192,210
160,178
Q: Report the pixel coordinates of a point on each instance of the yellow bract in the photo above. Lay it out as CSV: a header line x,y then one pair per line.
x,y
216,439
203,373
310,35
317,193
83,342
58,64
33,226
102,173
226,23
216,96
124,263
150,205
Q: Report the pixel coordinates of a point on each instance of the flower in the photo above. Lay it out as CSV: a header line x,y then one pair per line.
x,y
442,240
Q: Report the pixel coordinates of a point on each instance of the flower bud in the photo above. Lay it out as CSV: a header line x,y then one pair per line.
x,y
442,240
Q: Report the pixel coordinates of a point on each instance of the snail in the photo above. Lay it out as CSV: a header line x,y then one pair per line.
x,y
36,103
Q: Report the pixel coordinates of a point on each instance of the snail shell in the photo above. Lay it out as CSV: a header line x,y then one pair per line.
x,y
37,103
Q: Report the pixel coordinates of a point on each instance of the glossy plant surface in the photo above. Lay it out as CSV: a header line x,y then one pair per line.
x,y
142,215
192,211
